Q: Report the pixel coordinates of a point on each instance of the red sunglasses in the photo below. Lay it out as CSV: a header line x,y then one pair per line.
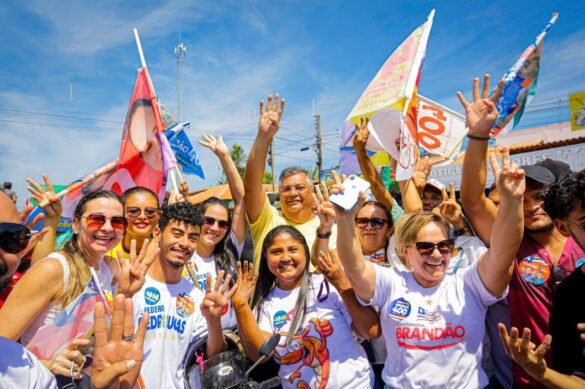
x,y
95,221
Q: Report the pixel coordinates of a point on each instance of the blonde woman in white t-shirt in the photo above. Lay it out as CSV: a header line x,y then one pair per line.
x,y
434,323
315,315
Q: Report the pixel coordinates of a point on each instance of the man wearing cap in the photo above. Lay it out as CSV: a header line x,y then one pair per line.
x,y
545,257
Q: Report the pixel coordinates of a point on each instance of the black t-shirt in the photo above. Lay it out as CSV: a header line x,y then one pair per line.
x,y
568,350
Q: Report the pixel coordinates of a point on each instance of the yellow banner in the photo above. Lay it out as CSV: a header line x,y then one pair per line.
x,y
577,111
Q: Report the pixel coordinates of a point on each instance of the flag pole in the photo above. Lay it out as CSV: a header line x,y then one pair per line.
x,y
139,46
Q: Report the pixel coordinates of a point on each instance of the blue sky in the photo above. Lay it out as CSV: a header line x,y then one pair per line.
x,y
324,52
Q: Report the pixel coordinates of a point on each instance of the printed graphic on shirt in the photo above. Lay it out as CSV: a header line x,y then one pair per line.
x,y
579,262
534,270
399,309
151,295
428,316
379,258
428,331
309,348
185,305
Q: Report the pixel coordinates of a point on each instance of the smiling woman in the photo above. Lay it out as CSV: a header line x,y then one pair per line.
x,y
317,348
54,283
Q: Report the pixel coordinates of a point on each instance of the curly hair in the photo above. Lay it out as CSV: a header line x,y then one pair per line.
x,y
182,211
565,194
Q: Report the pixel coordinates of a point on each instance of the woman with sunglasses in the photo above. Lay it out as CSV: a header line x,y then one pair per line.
x,y
222,235
141,209
315,314
39,306
374,228
434,323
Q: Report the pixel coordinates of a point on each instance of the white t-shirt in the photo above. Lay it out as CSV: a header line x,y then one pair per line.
x,y
19,368
471,248
175,321
324,353
434,335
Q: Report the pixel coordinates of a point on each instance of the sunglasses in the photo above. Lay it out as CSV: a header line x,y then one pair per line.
x,y
14,237
426,248
375,222
209,221
95,221
135,212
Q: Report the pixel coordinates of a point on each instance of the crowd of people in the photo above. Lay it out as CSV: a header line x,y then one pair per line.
x,y
416,289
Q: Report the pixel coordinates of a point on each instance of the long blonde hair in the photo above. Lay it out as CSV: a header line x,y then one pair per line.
x,y
79,273
408,227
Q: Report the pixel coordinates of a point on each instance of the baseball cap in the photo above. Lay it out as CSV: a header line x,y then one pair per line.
x,y
547,171
436,184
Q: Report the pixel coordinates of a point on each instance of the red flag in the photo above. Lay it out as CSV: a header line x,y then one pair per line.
x,y
145,157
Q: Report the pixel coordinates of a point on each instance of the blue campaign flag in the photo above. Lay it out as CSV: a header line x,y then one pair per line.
x,y
184,151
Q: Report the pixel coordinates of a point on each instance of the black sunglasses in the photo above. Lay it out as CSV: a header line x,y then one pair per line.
x,y
376,222
427,248
209,221
14,237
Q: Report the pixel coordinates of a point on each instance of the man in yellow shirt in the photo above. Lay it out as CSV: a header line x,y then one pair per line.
x,y
294,187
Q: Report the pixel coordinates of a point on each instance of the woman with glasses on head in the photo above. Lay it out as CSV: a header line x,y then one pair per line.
x,y
141,209
44,309
434,323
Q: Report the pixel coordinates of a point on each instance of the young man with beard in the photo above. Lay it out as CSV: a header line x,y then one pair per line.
x,y
179,312
545,256
294,188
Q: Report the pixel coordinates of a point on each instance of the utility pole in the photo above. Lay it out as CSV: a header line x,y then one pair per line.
x,y
271,163
318,146
180,52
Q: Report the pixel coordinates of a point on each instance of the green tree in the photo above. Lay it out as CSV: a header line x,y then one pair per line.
x,y
267,178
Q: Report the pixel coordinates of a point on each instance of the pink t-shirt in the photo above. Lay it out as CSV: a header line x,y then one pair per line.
x,y
531,292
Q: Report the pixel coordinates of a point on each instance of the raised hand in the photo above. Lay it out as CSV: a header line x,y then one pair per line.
x,y
214,144
450,208
68,358
215,300
325,209
120,356
340,213
132,274
524,352
421,173
270,115
482,113
53,209
246,282
331,268
510,180
362,133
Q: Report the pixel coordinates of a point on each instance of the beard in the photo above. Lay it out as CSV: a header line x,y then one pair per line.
x,y
4,276
175,264
546,228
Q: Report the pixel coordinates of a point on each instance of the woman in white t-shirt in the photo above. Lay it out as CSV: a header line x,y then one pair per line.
x,y
315,316
223,232
434,323
35,310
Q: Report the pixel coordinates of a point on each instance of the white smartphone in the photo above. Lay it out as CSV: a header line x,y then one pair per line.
x,y
350,195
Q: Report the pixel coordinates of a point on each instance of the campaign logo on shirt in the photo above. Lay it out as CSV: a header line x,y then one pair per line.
x,y
379,258
399,309
151,295
428,316
279,319
185,305
579,262
534,270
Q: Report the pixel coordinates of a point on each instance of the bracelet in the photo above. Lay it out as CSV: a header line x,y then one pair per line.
x,y
478,137
323,236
